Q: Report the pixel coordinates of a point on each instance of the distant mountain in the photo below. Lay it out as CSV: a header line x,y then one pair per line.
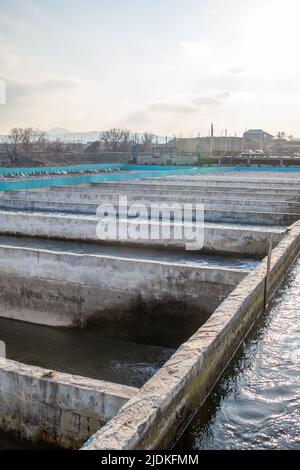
x,y
66,135
58,131
84,137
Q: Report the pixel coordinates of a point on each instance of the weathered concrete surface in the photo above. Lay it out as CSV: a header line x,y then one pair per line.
x,y
235,239
172,185
165,404
212,213
64,410
233,179
91,201
143,195
191,192
124,295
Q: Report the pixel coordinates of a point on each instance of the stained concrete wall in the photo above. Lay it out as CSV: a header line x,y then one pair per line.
x,y
166,403
169,184
234,181
212,212
251,241
85,202
190,191
64,410
125,295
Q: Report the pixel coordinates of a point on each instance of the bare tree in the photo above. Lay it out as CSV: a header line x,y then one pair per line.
x,y
147,141
13,142
116,139
56,147
281,135
24,142
34,141
135,139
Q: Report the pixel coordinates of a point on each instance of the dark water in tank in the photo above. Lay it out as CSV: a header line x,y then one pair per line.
x,y
9,441
82,352
256,403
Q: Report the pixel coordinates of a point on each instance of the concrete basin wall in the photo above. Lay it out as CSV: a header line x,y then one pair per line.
x,y
127,297
171,185
64,410
94,199
144,194
165,404
234,181
169,191
217,212
250,241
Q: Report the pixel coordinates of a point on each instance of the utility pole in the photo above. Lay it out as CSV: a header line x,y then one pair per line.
x,y
211,139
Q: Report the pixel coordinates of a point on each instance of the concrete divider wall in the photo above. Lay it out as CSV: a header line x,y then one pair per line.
x,y
166,403
172,185
232,182
82,202
189,192
254,200
212,212
250,241
64,410
125,296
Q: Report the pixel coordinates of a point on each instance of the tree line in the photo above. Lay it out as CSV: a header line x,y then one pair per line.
x,y
25,143
28,142
122,140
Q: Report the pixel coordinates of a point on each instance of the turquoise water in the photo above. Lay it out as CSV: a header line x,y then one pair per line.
x,y
128,167
78,168
127,172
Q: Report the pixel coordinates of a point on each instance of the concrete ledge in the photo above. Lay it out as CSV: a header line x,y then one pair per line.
x,y
166,403
63,410
190,192
126,297
283,201
215,180
251,241
212,213
82,202
172,185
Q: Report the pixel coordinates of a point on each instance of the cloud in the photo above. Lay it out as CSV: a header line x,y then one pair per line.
x,y
58,84
204,101
208,101
138,117
236,70
8,59
193,50
20,90
223,96
165,107
2,93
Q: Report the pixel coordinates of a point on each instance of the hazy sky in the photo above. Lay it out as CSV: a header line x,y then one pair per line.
x,y
168,66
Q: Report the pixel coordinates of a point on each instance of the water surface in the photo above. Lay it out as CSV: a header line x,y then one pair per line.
x,y
82,352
